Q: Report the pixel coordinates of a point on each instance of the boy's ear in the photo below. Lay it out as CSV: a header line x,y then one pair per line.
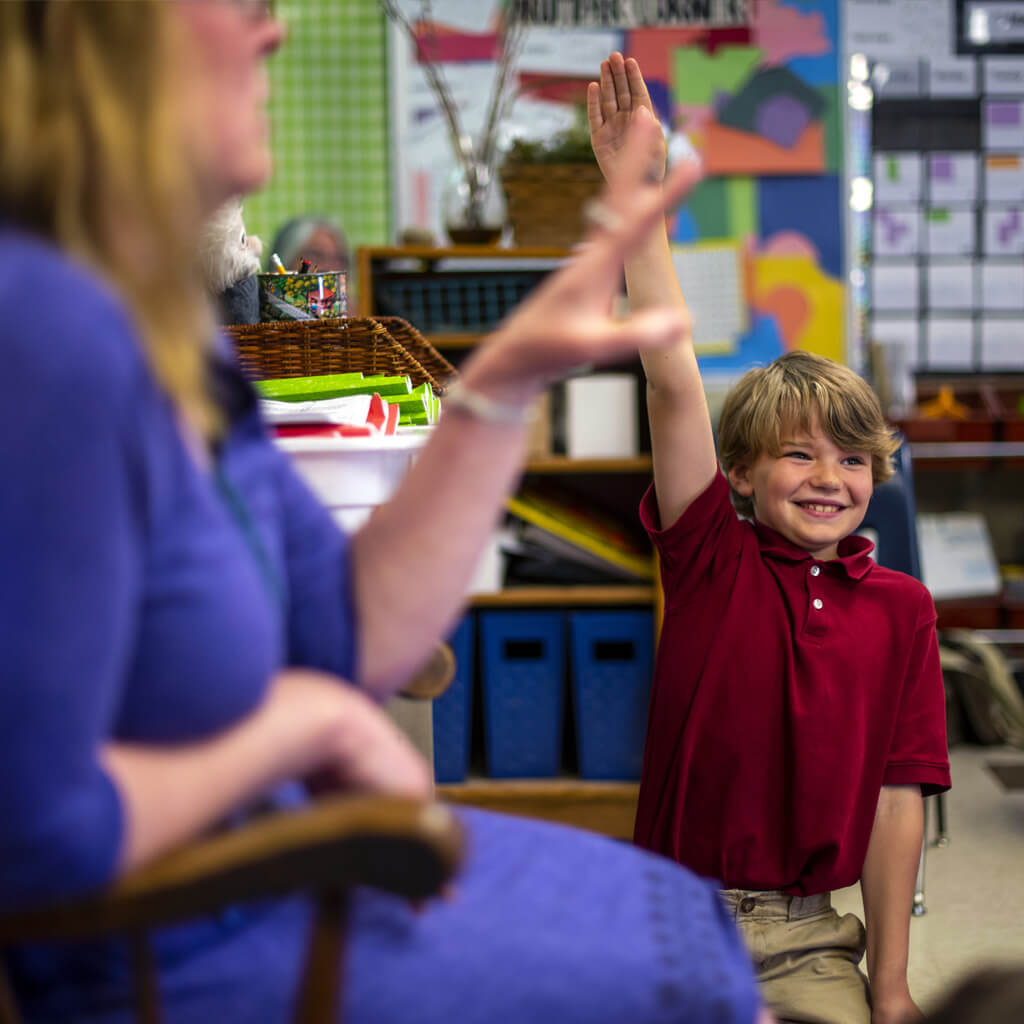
x,y
739,478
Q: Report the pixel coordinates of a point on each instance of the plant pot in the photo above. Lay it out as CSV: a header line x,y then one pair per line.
x,y
545,201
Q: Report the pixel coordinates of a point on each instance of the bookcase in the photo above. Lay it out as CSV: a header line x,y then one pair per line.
x,y
455,296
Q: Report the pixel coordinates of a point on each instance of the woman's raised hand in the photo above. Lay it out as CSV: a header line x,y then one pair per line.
x,y
567,322
613,104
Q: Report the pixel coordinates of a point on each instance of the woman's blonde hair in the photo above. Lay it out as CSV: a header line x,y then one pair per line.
x,y
793,393
91,157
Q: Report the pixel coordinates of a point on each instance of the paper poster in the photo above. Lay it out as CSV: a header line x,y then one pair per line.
x,y
949,343
896,231
898,29
956,555
1004,230
1004,177
1002,344
1002,286
1002,123
895,287
1003,75
768,107
952,177
950,285
952,78
898,178
791,222
807,303
898,79
950,231
902,333
711,277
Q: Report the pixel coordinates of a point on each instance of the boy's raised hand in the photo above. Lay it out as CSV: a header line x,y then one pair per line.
x,y
613,104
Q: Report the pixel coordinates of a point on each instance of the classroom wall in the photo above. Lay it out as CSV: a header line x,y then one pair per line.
x,y
329,121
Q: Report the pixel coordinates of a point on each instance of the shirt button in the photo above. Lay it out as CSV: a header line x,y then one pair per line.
x,y
747,904
817,603
815,570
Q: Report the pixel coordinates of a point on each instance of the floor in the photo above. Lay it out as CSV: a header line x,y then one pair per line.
x,y
974,888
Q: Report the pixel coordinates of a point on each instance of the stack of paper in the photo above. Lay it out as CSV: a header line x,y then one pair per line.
x,y
346,404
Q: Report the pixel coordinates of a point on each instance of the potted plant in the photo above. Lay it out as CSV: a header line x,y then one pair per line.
x,y
547,184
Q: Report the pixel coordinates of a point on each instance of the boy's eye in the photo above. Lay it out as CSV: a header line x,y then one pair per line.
x,y
855,460
797,455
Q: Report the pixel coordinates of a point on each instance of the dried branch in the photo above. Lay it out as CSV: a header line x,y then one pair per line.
x,y
478,165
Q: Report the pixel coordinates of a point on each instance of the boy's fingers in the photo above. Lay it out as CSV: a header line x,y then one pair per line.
x,y
594,115
622,95
609,105
637,85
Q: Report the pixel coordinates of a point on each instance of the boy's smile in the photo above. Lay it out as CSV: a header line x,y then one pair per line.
x,y
813,493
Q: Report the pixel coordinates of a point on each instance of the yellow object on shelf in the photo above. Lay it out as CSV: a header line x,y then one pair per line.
x,y
944,406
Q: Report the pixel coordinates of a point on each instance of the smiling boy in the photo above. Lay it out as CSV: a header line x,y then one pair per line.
x,y
797,710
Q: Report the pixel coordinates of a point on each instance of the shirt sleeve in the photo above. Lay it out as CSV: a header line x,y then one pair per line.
x,y
71,550
918,752
697,546
322,625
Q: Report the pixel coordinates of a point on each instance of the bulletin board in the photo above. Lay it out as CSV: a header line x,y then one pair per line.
x,y
761,103
941,248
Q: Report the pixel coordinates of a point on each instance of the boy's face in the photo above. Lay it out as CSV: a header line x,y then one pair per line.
x,y
812,493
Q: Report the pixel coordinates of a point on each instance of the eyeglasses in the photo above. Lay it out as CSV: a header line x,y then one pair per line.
x,y
254,10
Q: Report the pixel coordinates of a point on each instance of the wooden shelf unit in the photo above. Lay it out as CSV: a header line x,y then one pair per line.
x,y
605,807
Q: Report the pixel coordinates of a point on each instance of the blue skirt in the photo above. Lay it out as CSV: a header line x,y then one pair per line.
x,y
546,924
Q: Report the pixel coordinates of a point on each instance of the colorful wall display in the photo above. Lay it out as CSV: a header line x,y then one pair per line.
x,y
939,241
758,101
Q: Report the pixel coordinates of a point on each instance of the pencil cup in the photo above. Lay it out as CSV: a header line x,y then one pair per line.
x,y
302,296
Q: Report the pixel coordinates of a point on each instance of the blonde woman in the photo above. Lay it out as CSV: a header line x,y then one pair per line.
x,y
183,629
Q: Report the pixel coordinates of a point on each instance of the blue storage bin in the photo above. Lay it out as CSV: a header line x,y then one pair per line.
x,y
523,671
452,711
611,679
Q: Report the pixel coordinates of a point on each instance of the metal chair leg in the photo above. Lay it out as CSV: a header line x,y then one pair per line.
x,y
941,835
919,907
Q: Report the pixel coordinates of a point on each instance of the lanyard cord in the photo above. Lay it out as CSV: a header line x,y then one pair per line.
x,y
242,515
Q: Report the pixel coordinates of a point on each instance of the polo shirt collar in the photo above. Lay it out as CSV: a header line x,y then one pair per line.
x,y
854,551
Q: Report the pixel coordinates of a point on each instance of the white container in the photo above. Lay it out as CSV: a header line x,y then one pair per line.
x,y
601,416
351,475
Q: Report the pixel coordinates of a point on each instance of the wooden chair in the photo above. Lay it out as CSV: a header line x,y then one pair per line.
x,y
400,846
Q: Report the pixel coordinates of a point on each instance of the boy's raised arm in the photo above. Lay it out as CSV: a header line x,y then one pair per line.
x,y
681,440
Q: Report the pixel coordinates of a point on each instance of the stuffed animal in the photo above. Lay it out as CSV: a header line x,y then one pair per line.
x,y
230,261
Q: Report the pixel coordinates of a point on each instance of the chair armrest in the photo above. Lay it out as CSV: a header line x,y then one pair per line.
x,y
402,846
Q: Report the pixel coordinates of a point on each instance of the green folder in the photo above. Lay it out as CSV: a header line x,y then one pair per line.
x,y
332,385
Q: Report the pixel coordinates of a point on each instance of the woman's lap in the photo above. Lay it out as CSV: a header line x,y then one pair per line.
x,y
545,924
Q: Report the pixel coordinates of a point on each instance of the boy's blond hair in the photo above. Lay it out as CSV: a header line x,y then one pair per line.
x,y
792,393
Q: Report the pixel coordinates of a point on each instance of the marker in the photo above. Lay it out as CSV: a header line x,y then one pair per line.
x,y
275,262
304,268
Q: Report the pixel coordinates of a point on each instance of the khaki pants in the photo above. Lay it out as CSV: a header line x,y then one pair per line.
x,y
805,955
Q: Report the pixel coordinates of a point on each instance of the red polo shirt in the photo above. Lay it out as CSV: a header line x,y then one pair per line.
x,y
787,691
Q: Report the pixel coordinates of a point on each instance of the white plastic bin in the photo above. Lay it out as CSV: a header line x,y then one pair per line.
x,y
351,475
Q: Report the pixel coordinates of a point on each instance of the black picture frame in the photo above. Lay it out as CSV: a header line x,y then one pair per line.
x,y
963,44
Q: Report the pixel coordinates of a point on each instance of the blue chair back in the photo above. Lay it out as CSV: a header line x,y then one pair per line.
x,y
892,515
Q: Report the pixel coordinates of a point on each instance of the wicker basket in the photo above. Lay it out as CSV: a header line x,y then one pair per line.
x,y
545,201
419,348
308,348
